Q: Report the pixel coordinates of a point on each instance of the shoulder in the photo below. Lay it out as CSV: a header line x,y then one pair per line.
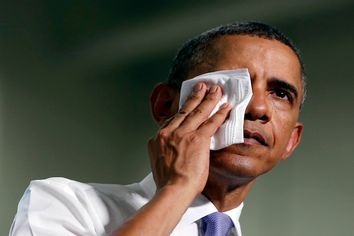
x,y
62,188
92,208
106,201
55,185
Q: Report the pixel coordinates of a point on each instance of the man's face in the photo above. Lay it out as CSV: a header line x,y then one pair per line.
x,y
271,126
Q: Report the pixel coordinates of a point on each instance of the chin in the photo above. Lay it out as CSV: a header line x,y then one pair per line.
x,y
239,161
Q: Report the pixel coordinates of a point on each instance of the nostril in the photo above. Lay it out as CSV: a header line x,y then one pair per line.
x,y
252,116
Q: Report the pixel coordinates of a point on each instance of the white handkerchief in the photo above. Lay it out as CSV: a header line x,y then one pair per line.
x,y
237,91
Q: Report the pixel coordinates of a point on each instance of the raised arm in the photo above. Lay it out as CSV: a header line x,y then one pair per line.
x,y
179,157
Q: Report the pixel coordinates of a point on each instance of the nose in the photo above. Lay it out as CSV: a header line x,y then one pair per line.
x,y
259,107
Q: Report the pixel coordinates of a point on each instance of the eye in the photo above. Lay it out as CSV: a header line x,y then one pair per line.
x,y
283,95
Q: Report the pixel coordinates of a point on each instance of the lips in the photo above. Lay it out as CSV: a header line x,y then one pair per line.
x,y
254,137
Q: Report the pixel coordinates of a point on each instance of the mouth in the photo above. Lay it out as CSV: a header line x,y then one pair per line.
x,y
254,137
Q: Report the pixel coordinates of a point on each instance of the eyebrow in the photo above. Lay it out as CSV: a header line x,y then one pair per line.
x,y
275,82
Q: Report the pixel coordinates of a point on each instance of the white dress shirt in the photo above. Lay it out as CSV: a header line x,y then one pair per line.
x,y
61,207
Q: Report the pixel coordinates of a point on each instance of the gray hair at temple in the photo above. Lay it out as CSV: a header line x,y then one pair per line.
x,y
193,52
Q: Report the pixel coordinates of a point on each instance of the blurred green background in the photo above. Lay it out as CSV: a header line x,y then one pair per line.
x,y
75,78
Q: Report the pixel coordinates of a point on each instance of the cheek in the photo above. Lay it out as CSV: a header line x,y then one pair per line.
x,y
280,105
283,125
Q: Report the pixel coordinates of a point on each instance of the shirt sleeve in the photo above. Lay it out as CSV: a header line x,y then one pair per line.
x,y
55,206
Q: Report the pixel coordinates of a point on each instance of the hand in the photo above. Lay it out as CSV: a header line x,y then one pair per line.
x,y
179,157
179,154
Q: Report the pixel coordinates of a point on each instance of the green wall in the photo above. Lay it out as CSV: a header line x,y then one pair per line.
x,y
75,78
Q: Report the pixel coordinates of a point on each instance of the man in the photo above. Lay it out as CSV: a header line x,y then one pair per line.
x,y
192,182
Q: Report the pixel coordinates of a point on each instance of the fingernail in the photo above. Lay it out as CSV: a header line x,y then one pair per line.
x,y
213,89
198,87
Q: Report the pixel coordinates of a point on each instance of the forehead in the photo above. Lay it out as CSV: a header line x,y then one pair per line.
x,y
246,44
263,57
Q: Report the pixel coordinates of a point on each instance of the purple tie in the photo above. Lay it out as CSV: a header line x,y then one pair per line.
x,y
217,224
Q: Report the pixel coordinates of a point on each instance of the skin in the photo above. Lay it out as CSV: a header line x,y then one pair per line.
x,y
270,114
181,161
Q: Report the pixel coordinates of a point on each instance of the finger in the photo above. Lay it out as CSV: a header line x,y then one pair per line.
x,y
202,112
191,103
210,126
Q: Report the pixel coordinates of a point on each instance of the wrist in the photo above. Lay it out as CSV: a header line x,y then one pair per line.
x,y
183,192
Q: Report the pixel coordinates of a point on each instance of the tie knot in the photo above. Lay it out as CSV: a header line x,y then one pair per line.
x,y
217,224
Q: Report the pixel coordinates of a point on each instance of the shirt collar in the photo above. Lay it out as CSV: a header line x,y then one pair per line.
x,y
200,207
148,185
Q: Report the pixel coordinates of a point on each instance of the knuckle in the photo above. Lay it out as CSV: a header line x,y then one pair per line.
x,y
177,135
182,113
197,111
194,138
204,117
200,113
217,118
163,134
211,97
194,97
208,121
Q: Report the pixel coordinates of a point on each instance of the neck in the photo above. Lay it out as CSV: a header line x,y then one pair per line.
x,y
225,193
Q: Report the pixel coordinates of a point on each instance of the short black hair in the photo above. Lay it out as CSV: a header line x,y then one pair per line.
x,y
192,53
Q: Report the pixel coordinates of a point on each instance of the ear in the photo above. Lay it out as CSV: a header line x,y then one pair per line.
x,y
163,102
294,140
